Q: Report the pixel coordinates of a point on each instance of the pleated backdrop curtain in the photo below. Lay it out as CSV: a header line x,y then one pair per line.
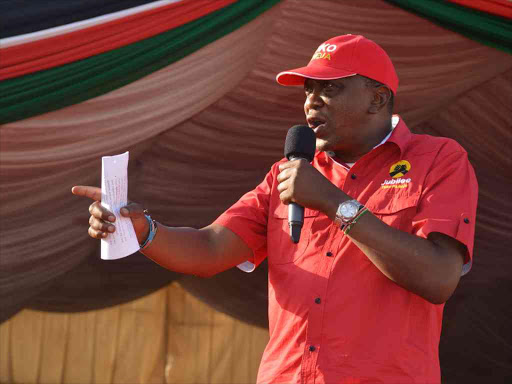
x,y
54,150
69,46
26,16
204,123
494,7
64,85
79,63
488,22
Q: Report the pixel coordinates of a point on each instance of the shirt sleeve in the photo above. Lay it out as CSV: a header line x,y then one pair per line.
x,y
248,218
448,202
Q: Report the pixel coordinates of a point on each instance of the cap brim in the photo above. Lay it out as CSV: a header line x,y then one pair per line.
x,y
297,76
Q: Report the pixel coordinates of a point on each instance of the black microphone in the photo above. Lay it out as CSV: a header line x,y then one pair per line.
x,y
300,144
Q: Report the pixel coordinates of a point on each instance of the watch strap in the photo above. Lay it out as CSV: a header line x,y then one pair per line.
x,y
349,227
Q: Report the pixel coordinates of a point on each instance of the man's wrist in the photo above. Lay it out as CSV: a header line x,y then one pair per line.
x,y
147,229
144,235
334,202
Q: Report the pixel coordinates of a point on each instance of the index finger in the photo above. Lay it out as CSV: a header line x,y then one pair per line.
x,y
93,193
283,175
289,164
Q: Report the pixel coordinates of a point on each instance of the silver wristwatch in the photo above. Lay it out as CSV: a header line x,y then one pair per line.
x,y
346,212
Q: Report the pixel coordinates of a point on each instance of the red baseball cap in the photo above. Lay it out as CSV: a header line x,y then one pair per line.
x,y
344,56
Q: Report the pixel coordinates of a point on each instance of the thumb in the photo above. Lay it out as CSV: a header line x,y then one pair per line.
x,y
140,224
134,211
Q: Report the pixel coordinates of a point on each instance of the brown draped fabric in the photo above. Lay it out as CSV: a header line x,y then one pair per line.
x,y
205,130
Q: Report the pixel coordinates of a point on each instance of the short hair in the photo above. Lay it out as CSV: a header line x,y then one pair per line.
x,y
370,83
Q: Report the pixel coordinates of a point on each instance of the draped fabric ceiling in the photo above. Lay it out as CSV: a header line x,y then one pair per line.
x,y
203,127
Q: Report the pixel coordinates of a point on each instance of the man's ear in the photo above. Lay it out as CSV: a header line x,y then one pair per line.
x,y
381,97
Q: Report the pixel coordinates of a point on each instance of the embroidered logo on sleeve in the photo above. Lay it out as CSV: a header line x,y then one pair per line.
x,y
397,171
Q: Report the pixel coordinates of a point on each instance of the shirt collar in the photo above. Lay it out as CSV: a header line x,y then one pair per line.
x,y
401,135
395,119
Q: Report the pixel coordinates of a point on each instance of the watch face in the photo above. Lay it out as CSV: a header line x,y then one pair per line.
x,y
348,210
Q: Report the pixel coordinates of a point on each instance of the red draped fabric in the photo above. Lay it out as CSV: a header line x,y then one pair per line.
x,y
496,7
62,49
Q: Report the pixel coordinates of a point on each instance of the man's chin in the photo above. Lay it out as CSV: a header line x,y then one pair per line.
x,y
322,145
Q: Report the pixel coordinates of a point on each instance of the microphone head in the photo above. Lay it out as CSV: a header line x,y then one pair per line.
x,y
300,142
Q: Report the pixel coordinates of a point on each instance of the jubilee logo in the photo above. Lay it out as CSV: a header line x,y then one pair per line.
x,y
399,169
397,172
395,183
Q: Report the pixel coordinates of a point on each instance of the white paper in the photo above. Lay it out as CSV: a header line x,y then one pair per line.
x,y
114,196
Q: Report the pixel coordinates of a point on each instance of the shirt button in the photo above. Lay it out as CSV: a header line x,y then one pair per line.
x,y
329,254
353,176
466,220
318,300
312,348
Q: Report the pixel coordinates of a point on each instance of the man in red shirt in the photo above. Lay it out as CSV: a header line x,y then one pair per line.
x,y
388,231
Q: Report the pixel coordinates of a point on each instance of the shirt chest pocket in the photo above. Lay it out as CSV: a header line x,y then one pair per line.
x,y
280,247
395,209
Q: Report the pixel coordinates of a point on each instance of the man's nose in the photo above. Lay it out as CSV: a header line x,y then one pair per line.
x,y
314,99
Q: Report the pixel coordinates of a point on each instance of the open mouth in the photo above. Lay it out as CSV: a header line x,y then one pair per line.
x,y
315,123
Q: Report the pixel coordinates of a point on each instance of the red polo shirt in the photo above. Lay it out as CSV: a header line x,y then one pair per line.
x,y
333,316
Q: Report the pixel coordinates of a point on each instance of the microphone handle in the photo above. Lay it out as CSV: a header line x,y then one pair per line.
x,y
295,215
295,220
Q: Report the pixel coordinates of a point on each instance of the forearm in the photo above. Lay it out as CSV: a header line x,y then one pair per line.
x,y
417,264
196,251
202,252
